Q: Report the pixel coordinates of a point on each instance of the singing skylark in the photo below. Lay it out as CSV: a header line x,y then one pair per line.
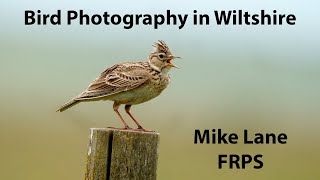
x,y
130,83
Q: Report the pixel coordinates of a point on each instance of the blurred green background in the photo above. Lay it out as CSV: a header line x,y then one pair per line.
x,y
261,78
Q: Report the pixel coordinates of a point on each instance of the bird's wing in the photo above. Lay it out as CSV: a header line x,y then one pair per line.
x,y
116,79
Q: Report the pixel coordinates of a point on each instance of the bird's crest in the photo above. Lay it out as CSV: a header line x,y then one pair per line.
x,y
160,46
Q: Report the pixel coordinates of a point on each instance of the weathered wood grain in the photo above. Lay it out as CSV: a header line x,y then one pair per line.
x,y
125,155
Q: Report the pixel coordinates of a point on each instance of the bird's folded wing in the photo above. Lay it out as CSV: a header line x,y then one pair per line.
x,y
112,82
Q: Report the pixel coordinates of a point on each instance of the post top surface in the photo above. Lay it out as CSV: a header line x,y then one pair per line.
x,y
120,130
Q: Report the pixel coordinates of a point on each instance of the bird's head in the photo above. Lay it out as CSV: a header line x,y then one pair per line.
x,y
160,58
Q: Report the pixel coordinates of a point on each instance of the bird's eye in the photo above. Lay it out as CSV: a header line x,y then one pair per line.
x,y
161,56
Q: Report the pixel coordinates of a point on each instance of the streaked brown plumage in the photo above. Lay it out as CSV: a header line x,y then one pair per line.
x,y
130,83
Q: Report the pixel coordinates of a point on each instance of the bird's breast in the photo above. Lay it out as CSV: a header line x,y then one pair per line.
x,y
143,93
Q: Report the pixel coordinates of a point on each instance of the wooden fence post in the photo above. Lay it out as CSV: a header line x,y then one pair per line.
x,y
125,155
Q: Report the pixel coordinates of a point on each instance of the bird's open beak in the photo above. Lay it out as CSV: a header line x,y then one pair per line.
x,y
170,58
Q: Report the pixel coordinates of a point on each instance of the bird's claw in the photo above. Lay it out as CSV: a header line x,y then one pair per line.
x,y
143,130
127,128
140,129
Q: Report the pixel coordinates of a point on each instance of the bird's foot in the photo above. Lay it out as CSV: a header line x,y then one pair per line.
x,y
126,128
143,130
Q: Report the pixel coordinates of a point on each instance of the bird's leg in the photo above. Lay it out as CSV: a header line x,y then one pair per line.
x,y
115,108
127,108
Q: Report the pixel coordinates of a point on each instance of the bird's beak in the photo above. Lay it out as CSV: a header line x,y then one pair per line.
x,y
170,58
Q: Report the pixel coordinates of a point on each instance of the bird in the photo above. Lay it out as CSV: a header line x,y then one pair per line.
x,y
130,83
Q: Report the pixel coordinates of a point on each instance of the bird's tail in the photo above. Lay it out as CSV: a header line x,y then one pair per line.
x,y
68,105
